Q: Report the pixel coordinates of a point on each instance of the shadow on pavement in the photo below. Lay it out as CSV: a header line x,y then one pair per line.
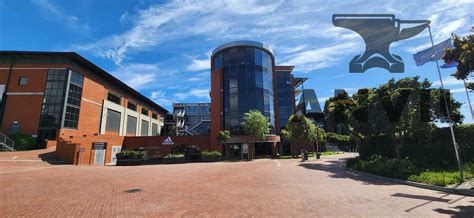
x,y
51,158
458,211
338,170
421,197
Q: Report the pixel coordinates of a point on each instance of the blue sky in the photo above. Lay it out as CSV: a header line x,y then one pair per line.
x,y
162,48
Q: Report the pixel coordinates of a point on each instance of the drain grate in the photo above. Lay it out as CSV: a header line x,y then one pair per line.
x,y
133,190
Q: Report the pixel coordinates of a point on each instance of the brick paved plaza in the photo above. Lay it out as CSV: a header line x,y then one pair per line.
x,y
262,187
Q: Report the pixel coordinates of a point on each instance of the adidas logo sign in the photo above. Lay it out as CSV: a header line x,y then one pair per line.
x,y
168,141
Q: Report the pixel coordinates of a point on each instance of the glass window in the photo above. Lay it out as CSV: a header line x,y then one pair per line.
x,y
53,104
144,111
218,61
144,129
154,116
112,123
113,98
132,106
23,81
131,125
154,129
73,100
248,84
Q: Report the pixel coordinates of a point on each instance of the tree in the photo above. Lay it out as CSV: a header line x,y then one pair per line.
x,y
255,124
300,129
223,136
463,53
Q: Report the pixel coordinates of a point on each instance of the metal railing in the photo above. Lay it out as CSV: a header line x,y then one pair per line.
x,y
7,142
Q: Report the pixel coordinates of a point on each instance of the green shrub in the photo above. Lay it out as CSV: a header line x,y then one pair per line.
x,y
211,154
130,155
441,178
469,168
383,166
433,148
378,144
24,142
174,156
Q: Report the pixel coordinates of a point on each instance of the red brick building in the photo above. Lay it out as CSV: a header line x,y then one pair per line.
x,y
60,97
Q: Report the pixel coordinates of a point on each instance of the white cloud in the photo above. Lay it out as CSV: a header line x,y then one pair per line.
x,y
160,98
197,65
200,93
321,58
290,49
200,77
449,81
55,13
137,75
458,90
192,94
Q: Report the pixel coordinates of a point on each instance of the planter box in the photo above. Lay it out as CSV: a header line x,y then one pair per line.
x,y
129,162
210,159
174,160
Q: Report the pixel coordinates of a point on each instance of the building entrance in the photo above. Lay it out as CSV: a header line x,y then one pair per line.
x,y
234,151
263,149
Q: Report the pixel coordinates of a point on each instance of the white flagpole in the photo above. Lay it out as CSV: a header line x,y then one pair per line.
x,y
456,147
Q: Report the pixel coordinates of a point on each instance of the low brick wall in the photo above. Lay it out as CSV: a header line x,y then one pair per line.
x,y
67,152
157,146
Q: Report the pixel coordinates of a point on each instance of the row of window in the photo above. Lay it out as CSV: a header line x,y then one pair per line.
x,y
130,105
113,124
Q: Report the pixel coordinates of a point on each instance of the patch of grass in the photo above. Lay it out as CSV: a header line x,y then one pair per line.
x,y
440,178
327,153
405,169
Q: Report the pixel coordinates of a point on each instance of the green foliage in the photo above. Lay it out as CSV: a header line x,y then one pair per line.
x,y
301,128
24,142
224,136
388,167
463,53
174,156
130,155
378,144
211,154
255,124
433,148
329,153
438,178
336,138
469,168
405,169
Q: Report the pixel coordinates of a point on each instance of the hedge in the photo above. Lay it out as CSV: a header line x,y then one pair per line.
x,y
435,149
24,142
427,148
130,155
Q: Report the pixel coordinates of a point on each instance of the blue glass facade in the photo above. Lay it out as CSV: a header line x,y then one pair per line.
x,y
247,83
285,96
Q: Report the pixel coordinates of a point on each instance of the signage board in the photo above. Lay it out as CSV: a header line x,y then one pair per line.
x,y
168,141
99,145
245,148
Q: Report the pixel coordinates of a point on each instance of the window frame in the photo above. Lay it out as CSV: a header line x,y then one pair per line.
x,y
114,95
135,106
143,111
23,80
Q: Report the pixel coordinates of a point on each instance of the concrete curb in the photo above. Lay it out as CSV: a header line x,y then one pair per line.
x,y
466,192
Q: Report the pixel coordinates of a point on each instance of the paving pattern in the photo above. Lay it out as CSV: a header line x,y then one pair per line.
x,y
262,187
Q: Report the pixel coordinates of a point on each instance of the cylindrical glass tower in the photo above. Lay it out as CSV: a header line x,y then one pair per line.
x,y
247,81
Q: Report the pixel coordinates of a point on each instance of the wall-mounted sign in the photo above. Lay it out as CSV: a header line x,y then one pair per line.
x,y
82,149
99,145
168,141
245,148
